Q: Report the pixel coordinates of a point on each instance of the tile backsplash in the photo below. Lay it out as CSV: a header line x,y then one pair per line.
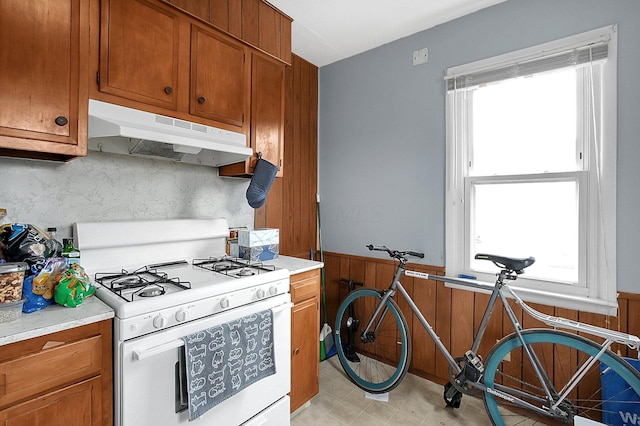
x,y
107,187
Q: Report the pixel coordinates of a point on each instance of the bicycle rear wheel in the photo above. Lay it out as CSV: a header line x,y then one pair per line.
x,y
379,364
561,354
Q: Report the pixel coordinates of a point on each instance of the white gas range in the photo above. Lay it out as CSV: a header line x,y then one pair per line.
x,y
170,279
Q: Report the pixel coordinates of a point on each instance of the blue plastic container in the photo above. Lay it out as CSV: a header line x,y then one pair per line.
x,y
618,406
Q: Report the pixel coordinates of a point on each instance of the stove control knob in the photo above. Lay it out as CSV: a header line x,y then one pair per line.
x,y
182,315
260,293
224,303
160,321
273,290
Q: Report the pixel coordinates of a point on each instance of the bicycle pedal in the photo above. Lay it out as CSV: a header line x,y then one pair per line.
x,y
473,368
452,396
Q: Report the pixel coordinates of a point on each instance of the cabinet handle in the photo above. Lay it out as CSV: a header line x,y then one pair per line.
x,y
168,90
296,351
61,120
202,100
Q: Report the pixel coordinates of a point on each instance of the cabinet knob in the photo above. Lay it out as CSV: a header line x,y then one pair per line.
x,y
202,100
296,351
168,90
61,120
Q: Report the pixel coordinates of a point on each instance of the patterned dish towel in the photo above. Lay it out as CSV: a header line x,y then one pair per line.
x,y
223,360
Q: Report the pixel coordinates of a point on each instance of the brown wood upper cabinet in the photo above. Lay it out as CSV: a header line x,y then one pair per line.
x,y
44,50
254,21
219,71
152,53
139,44
267,116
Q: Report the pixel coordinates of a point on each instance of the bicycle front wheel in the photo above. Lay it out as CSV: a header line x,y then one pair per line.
x,y
592,393
379,362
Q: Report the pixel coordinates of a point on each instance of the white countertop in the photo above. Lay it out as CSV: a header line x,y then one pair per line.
x,y
54,318
295,265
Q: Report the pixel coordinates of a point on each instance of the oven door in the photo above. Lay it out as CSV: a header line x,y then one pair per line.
x,y
152,386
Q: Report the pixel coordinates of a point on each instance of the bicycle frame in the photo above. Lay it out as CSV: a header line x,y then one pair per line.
x,y
497,293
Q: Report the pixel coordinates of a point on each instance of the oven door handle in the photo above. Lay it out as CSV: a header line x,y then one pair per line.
x,y
143,353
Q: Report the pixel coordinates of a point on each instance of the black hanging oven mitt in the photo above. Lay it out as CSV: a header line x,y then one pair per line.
x,y
261,182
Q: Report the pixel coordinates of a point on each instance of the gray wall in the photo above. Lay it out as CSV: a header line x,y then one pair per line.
x,y
107,187
382,126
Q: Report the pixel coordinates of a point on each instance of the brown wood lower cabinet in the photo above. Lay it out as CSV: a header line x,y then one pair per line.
x,y
305,343
63,378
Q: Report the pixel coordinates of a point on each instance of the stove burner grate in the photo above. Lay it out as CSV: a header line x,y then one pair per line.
x,y
233,266
148,281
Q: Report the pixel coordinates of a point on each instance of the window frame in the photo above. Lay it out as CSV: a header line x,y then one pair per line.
x,y
597,265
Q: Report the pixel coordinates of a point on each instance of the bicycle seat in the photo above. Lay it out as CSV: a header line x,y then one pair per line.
x,y
511,263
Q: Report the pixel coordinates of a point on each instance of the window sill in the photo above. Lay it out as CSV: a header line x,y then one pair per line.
x,y
578,303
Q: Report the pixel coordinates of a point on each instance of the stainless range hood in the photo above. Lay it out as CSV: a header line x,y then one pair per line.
x,y
120,130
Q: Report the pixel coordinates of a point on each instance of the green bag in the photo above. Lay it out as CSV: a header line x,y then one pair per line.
x,y
73,286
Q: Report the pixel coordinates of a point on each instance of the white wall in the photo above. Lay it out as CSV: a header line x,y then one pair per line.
x,y
382,126
106,187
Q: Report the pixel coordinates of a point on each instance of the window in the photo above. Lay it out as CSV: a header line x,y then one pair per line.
x,y
531,169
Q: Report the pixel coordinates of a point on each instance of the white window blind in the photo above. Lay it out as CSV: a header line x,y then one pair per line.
x,y
583,56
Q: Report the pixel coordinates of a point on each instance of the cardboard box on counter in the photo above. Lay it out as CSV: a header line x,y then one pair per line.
x,y
259,244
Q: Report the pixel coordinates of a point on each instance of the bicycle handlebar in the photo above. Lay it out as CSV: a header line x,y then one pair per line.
x,y
396,254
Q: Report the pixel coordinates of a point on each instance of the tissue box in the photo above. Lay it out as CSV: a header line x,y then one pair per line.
x,y
259,244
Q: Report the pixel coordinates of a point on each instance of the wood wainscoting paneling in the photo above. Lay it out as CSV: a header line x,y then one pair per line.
x,y
455,314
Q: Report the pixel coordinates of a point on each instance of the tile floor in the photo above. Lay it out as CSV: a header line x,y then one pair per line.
x,y
415,401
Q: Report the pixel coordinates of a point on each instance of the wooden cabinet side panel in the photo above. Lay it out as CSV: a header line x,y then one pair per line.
x,y
267,109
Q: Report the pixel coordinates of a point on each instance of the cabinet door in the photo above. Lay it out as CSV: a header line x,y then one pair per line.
x,y
199,8
77,405
219,77
139,52
270,29
267,109
305,352
43,52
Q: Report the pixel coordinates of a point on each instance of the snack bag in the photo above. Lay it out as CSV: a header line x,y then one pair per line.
x,y
45,282
73,287
28,243
33,302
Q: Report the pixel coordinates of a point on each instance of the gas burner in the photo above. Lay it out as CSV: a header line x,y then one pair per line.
x,y
223,265
148,281
246,272
233,266
128,281
151,291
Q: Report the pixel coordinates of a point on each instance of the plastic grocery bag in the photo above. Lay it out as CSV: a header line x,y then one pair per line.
x,y
73,287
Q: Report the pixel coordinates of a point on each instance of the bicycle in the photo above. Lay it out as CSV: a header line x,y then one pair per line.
x,y
559,378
